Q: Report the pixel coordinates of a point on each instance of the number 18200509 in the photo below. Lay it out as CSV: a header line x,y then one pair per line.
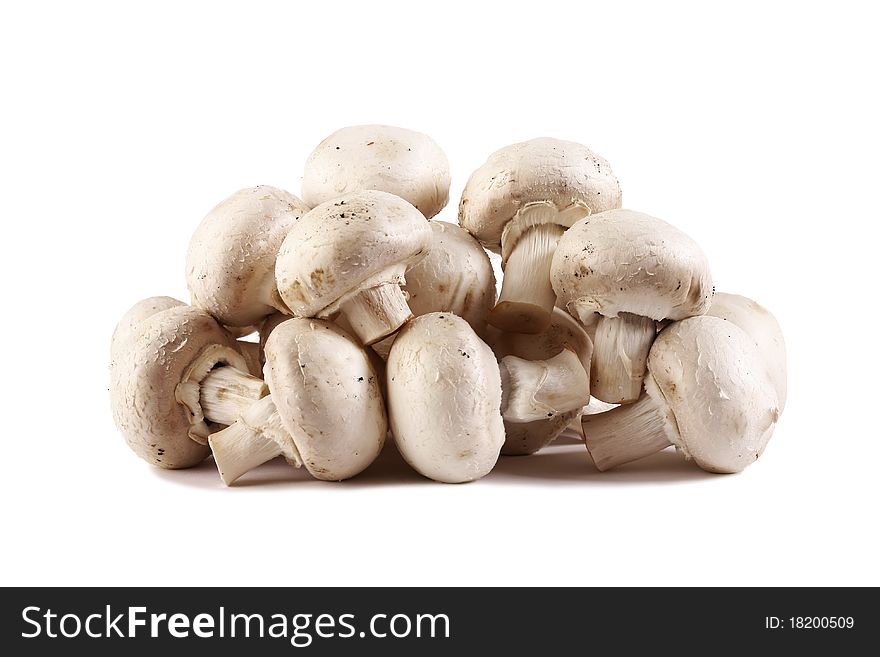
x,y
809,622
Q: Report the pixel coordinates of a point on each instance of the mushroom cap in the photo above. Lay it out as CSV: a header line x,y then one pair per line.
x,y
377,359
523,438
563,333
144,384
230,263
626,261
132,319
760,325
455,276
402,162
340,320
544,170
327,394
344,244
444,399
709,374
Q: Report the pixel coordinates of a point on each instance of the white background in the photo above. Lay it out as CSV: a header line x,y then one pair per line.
x,y
753,129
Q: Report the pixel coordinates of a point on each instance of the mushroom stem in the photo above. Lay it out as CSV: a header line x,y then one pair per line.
x,y
540,389
256,437
527,298
620,354
377,312
626,433
225,393
232,392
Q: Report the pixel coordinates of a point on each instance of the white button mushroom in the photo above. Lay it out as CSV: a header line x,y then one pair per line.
x,y
444,399
230,263
178,372
358,158
707,391
519,203
456,276
351,255
632,269
763,328
325,410
564,337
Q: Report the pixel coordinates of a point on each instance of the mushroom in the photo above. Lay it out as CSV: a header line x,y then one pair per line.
x,y
444,399
176,374
402,162
230,263
134,317
707,391
563,336
633,270
456,276
325,410
760,325
538,389
518,204
350,255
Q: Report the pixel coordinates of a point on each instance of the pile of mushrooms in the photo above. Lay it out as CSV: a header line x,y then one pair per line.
x,y
322,328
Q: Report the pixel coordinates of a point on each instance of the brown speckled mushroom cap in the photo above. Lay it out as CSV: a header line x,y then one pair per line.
x,y
625,261
562,174
172,346
343,245
402,162
327,394
230,264
130,322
